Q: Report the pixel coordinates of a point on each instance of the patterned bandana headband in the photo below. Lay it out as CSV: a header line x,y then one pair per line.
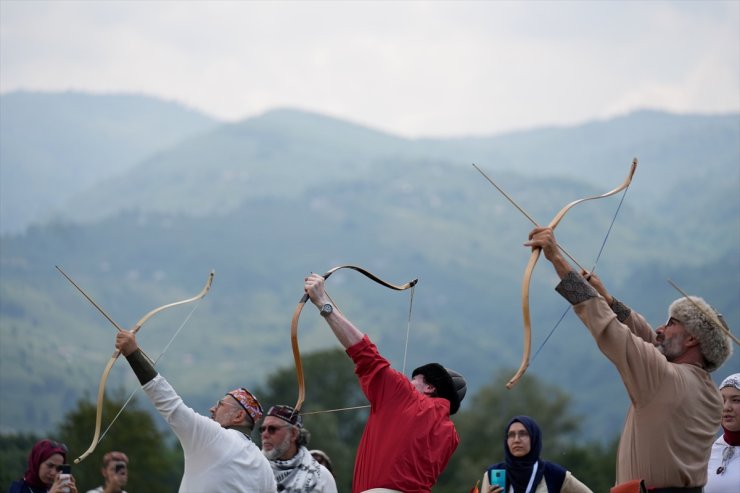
x,y
248,401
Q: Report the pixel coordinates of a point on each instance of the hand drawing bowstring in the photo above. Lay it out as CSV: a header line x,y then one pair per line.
x,y
536,254
114,357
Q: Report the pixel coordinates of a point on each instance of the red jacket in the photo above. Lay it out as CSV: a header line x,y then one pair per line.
x,y
408,438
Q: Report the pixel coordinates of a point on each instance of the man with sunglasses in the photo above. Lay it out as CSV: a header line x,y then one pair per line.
x,y
219,452
675,407
409,437
115,473
284,443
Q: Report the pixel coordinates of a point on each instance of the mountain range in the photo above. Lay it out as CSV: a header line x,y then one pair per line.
x,y
138,199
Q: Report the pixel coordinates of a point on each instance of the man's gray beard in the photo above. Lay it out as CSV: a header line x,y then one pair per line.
x,y
278,450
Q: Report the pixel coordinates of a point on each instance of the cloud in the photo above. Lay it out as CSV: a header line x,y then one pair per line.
x,y
413,68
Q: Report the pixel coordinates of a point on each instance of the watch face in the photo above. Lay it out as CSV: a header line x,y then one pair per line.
x,y
326,310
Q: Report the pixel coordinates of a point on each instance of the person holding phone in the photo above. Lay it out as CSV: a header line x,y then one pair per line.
x,y
46,463
523,471
115,473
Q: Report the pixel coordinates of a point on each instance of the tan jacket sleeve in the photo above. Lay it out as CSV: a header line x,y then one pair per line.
x,y
630,347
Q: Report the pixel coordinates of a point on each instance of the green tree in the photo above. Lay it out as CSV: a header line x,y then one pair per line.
x,y
481,428
330,384
155,464
14,449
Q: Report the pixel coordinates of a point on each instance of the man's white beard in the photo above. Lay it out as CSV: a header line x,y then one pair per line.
x,y
278,450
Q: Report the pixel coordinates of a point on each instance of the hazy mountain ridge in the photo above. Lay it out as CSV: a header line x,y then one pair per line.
x,y
284,151
53,145
310,206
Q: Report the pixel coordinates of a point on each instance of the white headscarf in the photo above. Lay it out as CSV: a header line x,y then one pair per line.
x,y
731,381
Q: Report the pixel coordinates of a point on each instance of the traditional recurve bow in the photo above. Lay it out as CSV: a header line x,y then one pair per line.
x,y
116,353
535,256
297,314
533,262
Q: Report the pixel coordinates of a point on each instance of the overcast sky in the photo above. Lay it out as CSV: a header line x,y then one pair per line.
x,y
410,68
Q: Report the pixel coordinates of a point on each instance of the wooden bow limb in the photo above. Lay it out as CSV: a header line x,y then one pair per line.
x,y
297,314
116,354
533,262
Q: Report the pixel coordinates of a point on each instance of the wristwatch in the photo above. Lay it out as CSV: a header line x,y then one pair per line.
x,y
326,310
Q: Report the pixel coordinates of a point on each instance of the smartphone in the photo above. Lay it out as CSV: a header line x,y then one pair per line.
x,y
64,475
497,477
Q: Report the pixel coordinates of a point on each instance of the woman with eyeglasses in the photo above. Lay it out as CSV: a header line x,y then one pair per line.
x,y
523,471
44,468
724,463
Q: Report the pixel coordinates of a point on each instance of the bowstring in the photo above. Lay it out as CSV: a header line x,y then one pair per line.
x,y
408,330
593,269
154,363
405,353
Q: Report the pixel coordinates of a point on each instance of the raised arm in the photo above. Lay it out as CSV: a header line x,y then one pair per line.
x,y
347,334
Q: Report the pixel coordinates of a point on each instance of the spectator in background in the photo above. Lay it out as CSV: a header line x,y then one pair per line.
x,y
525,471
724,463
115,473
44,468
323,459
284,443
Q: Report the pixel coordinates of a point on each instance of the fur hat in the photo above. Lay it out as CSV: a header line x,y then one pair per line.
x,y
449,384
705,323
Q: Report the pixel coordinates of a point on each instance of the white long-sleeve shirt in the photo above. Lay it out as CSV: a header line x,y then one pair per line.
x,y
729,480
217,459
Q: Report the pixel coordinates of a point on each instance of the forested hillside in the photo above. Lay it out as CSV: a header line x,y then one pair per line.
x,y
268,200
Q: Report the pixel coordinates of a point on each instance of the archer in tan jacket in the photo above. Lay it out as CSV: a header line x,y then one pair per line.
x,y
675,407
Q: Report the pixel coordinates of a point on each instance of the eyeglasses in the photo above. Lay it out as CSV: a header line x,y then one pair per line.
x,y
232,403
522,434
673,321
271,429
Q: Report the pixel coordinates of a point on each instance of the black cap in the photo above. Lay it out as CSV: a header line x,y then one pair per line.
x,y
449,384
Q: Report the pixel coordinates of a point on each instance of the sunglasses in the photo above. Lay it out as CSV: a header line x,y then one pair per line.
x,y
58,445
271,429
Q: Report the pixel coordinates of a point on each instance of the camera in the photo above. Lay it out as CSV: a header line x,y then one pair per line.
x,y
120,466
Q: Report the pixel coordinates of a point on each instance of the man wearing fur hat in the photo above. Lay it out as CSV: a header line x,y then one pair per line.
x,y
284,444
675,407
409,437
219,452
